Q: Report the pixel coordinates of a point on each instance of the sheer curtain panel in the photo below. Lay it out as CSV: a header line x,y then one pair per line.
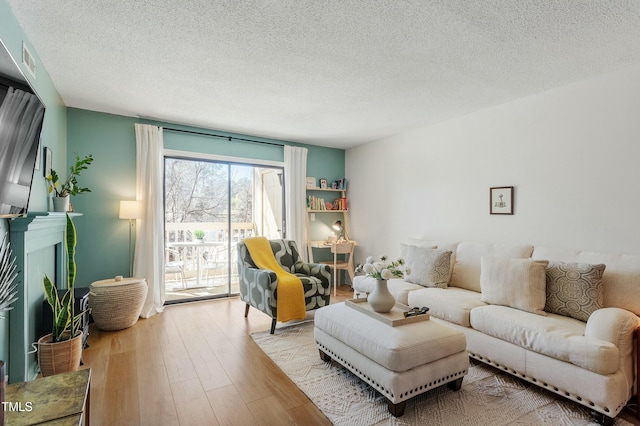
x,y
295,173
149,251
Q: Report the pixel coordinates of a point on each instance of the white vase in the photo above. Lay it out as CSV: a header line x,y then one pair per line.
x,y
380,299
61,204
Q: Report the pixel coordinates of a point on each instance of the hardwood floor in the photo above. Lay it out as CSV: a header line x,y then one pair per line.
x,y
194,364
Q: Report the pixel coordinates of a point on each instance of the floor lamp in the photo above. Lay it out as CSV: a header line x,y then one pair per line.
x,y
130,210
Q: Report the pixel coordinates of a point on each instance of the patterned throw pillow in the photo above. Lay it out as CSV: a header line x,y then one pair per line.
x,y
574,289
429,267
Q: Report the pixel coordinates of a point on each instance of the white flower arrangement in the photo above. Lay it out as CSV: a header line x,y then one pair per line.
x,y
382,269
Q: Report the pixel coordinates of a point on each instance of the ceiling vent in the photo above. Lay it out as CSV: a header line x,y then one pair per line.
x,y
28,60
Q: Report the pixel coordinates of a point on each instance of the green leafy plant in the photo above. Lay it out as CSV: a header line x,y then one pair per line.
x,y
65,325
70,185
198,234
8,275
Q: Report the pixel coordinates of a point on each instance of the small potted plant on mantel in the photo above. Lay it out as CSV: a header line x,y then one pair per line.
x,y
70,186
61,351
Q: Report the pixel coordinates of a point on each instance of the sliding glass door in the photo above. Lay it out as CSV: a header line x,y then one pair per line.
x,y
210,205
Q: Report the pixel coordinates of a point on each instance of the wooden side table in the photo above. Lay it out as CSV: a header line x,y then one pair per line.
x,y
62,399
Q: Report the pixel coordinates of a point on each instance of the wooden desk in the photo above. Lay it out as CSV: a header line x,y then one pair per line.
x,y
62,399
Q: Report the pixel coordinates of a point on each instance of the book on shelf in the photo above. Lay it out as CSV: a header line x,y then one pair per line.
x,y
318,203
315,203
340,204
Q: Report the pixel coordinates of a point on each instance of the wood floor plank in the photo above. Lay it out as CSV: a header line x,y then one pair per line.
x,y
309,414
148,348
192,404
193,364
206,364
268,411
229,407
176,357
121,406
157,406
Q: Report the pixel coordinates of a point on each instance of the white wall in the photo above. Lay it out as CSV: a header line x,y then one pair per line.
x,y
572,154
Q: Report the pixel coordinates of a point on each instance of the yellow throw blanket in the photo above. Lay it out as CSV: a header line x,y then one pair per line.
x,y
290,301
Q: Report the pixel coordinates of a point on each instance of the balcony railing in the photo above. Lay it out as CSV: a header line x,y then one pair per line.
x,y
204,265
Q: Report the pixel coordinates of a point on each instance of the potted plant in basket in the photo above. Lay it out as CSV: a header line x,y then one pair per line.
x,y
70,186
61,351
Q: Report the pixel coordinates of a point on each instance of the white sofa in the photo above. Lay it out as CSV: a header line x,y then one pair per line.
x,y
590,361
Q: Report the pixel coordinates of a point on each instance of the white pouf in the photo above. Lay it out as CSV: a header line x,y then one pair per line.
x,y
116,303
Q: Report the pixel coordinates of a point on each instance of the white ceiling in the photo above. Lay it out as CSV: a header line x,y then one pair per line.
x,y
326,72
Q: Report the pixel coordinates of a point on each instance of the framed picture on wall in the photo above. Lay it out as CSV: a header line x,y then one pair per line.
x,y
501,200
311,182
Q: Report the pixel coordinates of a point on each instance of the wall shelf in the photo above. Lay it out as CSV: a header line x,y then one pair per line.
x,y
336,194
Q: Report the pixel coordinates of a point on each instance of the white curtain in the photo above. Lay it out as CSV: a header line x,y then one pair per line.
x,y
149,251
295,174
21,115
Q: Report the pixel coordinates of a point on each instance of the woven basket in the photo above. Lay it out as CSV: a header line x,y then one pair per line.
x,y
59,357
116,304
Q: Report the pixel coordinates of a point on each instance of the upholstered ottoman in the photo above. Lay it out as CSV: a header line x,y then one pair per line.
x,y
399,362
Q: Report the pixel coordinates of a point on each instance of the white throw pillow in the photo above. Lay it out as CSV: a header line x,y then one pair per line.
x,y
404,247
517,283
428,267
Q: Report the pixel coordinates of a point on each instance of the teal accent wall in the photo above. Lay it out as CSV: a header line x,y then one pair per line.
x,y
54,128
103,238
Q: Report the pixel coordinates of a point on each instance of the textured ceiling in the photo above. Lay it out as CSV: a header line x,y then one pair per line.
x,y
326,72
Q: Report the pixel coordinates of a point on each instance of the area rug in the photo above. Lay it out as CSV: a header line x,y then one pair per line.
x,y
487,397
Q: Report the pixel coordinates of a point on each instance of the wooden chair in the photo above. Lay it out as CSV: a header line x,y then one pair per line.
x,y
346,248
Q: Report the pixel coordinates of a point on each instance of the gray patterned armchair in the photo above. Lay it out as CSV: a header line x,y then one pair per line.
x,y
259,287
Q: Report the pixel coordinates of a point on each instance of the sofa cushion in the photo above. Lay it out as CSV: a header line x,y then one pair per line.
x,y
397,287
556,336
574,289
466,272
428,267
451,304
620,281
518,283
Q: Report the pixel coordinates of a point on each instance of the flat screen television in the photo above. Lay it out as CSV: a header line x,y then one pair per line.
x,y
21,115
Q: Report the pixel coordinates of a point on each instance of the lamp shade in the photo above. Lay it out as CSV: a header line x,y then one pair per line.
x,y
129,210
338,226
